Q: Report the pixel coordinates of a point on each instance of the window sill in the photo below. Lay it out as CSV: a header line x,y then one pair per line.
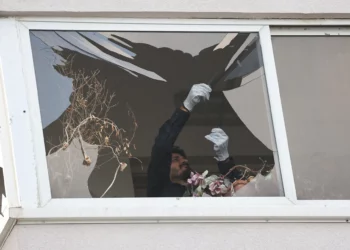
x,y
172,210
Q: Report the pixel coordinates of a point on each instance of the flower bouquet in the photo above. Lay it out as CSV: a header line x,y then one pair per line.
x,y
201,185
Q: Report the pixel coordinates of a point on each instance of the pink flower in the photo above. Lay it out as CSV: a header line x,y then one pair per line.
x,y
217,187
196,179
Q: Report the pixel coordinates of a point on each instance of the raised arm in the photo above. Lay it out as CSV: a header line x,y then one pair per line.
x,y
225,162
159,168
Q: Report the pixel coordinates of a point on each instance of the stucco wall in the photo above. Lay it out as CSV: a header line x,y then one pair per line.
x,y
184,8
180,236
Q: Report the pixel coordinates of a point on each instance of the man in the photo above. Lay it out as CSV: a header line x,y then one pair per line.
x,y
169,168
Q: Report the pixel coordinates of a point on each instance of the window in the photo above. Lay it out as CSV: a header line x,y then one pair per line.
x,y
315,92
104,95
136,73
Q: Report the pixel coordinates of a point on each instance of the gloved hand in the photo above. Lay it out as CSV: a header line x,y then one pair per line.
x,y
199,92
220,140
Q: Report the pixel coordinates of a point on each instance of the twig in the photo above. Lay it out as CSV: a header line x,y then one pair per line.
x,y
114,178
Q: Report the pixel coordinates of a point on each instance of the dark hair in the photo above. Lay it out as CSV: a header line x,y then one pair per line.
x,y
178,150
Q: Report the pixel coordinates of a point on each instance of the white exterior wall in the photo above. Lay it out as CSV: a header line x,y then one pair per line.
x,y
180,236
183,8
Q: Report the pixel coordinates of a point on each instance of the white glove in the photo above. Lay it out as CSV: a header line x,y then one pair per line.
x,y
220,140
199,92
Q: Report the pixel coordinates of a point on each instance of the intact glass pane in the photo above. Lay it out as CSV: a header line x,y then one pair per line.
x,y
313,74
105,96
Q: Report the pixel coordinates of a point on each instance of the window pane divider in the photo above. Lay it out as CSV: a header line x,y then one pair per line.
x,y
277,114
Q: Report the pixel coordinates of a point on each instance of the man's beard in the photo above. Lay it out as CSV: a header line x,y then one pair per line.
x,y
182,175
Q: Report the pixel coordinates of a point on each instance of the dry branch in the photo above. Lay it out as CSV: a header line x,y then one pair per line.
x,y
87,119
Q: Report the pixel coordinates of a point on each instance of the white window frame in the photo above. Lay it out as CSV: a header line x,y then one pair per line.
x,y
29,190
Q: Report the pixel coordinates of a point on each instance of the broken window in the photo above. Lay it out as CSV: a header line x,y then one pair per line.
x,y
315,92
104,95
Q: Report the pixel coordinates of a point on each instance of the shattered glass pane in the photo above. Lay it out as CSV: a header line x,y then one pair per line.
x,y
104,95
315,91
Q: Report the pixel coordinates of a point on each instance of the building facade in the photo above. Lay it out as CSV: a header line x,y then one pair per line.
x,y
86,85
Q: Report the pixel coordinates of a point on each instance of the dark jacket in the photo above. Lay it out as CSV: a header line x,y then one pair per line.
x,y
159,184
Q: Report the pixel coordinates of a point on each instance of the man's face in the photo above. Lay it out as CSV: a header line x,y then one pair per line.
x,y
179,169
